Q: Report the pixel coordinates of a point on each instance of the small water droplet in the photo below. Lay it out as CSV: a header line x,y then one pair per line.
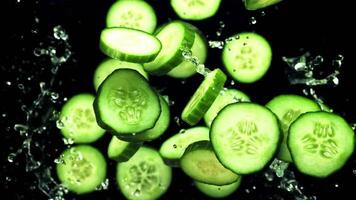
x,y
336,185
253,20
59,33
11,157
8,178
247,191
263,13
182,131
60,124
175,146
68,141
232,82
21,86
177,120
8,83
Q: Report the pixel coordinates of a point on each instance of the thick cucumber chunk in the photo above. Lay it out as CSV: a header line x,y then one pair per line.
x,y
173,148
320,143
175,37
195,9
259,4
81,169
288,108
78,121
199,50
160,127
200,163
106,67
129,45
216,191
126,103
247,57
245,137
224,98
122,151
204,97
134,14
144,176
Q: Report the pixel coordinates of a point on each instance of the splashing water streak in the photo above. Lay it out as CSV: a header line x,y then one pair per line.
x,y
46,184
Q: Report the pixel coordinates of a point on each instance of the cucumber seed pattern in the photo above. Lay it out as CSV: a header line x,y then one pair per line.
x,y
243,138
130,19
82,118
321,140
143,177
288,118
195,2
245,58
80,168
129,104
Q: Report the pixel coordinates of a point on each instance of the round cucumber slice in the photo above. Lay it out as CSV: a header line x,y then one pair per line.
x,y
126,103
320,143
224,98
245,137
129,44
174,36
135,14
173,148
200,163
144,176
216,191
78,121
195,9
82,169
204,97
106,67
288,107
247,57
187,68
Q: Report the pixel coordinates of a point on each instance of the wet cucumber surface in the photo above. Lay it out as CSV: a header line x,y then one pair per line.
x,y
326,36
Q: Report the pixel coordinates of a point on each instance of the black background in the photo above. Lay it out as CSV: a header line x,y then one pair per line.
x,y
292,27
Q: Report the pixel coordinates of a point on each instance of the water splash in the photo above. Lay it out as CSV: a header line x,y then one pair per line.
x,y
302,70
103,185
39,115
188,56
278,171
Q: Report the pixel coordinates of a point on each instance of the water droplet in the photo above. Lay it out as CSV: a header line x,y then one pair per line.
x,y
8,83
182,131
174,146
254,187
253,21
247,191
103,185
336,185
59,33
216,44
60,124
54,96
263,13
11,157
21,86
177,120
232,82
269,176
8,178
68,141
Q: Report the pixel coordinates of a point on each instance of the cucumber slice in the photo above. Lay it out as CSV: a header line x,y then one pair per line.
x,y
320,143
195,9
129,45
204,97
174,37
216,191
245,137
122,151
259,4
173,148
144,176
288,108
82,169
78,121
135,14
106,67
247,57
126,103
155,132
200,163
199,50
224,98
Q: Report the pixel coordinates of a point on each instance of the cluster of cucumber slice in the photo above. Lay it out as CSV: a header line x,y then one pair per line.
x,y
239,137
